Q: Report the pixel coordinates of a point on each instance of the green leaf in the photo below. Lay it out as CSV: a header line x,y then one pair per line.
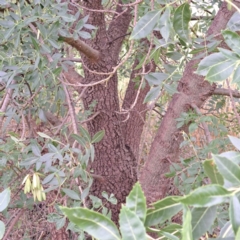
x,y
156,78
235,142
202,220
2,229
229,169
234,22
145,25
165,24
94,223
233,40
234,213
131,226
169,235
238,234
136,202
221,71
98,136
211,171
79,139
181,19
210,61
43,135
227,231
71,194
152,94
187,227
205,196
60,223
236,76
162,210
4,198
229,54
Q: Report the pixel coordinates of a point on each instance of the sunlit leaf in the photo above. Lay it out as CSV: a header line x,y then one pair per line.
x,y
162,210
131,226
145,25
181,19
202,220
136,202
234,213
205,196
228,169
95,224
211,171
4,198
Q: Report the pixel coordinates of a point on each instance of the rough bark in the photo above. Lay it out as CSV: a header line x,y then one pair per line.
x,y
114,161
192,89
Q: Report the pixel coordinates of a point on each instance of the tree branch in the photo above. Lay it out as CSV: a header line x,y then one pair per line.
x,y
225,92
82,47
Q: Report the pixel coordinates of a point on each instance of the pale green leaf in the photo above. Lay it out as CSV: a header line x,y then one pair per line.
x,y
210,61
131,226
211,171
94,223
221,71
234,213
235,142
4,198
136,202
236,76
205,196
152,94
2,229
162,210
72,194
187,227
233,40
202,220
228,169
181,19
98,136
145,25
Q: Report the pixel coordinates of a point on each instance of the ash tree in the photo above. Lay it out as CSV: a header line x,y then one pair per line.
x,y
61,66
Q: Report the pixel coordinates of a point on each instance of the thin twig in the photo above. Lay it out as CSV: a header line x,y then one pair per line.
x,y
12,224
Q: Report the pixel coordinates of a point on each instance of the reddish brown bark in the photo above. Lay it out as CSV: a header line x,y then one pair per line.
x,y
192,89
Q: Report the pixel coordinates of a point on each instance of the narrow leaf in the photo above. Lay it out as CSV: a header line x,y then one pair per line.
x,y
162,210
136,202
145,25
94,223
236,76
202,220
232,39
229,169
71,194
210,61
181,19
205,196
234,213
131,226
187,227
211,171
152,94
235,142
98,136
221,71
4,199
155,78
2,229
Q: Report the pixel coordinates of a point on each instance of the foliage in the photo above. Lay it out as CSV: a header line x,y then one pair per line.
x,y
198,208
32,59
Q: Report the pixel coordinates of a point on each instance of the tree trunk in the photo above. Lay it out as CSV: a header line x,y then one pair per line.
x,y
114,160
192,89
